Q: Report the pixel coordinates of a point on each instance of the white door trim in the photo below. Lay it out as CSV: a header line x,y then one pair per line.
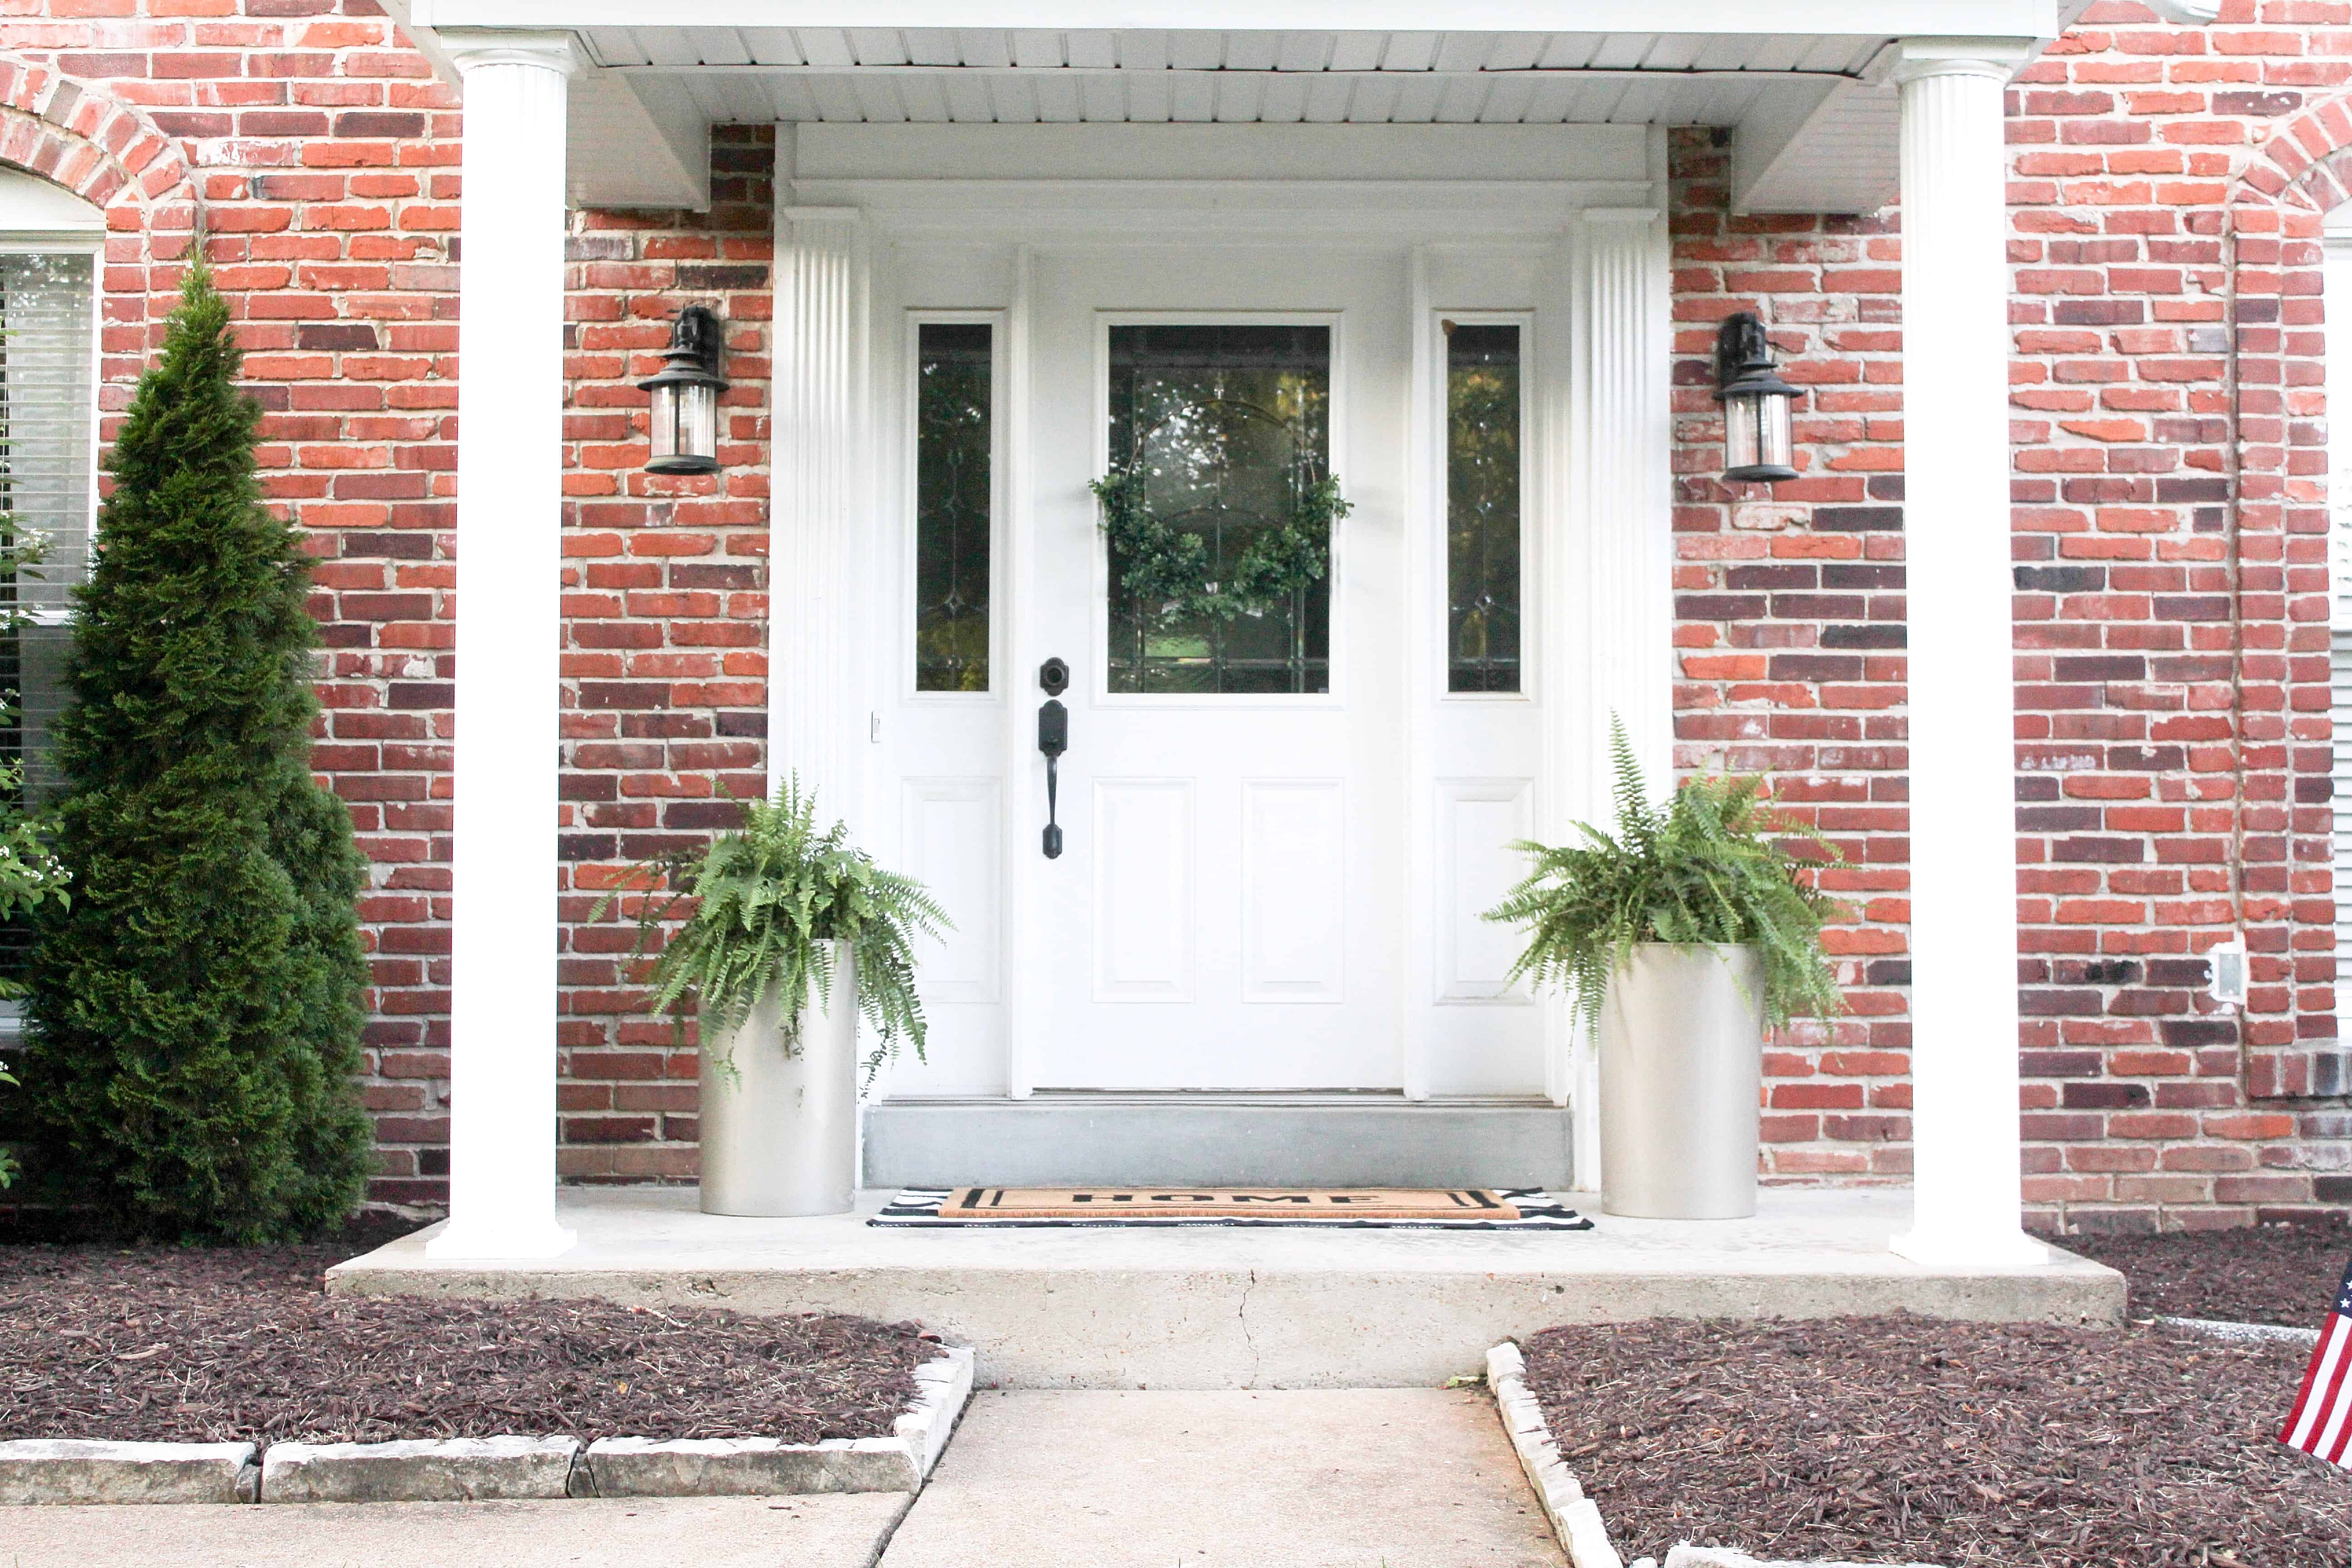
x,y
1602,558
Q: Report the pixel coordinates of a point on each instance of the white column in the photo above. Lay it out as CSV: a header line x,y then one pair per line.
x,y
1608,647
502,1017
821,545
1965,1188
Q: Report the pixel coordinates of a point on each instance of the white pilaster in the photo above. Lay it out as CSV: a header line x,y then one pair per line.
x,y
820,548
1611,644
1966,1191
502,1018
1624,467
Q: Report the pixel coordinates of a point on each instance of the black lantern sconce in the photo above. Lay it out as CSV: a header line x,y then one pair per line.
x,y
1757,444
685,396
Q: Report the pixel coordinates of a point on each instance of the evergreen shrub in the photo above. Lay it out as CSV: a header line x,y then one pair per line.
x,y
194,1016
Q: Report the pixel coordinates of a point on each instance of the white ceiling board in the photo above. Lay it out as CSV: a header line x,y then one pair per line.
x,y
773,46
1812,134
1840,158
1092,47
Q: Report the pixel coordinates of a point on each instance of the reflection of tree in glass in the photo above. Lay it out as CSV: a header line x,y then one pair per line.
x,y
951,508
1482,513
1226,428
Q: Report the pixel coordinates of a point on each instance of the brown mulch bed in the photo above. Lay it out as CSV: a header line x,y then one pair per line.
x,y
2272,1274
1906,1439
241,1344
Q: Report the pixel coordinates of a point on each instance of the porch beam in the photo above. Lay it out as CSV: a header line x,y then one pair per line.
x,y
502,1015
1179,73
1842,18
1966,1191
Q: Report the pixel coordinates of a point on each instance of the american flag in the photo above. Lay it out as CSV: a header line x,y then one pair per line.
x,y
2321,1421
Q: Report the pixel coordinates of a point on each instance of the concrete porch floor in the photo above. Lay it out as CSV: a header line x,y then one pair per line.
x,y
1250,1309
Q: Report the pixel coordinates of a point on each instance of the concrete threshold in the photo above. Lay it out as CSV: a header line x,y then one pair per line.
x,y
1236,1308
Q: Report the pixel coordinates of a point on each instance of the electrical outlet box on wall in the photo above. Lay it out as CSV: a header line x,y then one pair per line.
x,y
2226,967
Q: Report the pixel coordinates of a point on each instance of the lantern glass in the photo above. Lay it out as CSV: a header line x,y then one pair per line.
x,y
684,429
698,421
663,426
1756,433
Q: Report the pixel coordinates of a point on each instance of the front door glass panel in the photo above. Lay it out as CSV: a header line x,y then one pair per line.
x,y
1227,425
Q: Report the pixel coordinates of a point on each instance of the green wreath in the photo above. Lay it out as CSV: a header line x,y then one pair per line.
x,y
1169,567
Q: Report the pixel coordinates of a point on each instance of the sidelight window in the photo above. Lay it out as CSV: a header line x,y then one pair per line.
x,y
1481,506
954,432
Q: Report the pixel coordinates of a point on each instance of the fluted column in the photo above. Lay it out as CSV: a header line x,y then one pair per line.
x,y
1626,465
1607,643
820,544
502,1003
1966,1192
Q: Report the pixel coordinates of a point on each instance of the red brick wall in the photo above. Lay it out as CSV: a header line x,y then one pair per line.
x,y
324,155
2161,289
2171,626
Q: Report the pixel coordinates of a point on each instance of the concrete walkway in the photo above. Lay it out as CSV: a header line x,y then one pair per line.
x,y
652,1532
1323,1478
1410,1477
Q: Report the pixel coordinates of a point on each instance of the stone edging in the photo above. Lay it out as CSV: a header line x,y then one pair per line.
x,y
2219,1329
468,1469
1575,1519
69,1471
1689,1556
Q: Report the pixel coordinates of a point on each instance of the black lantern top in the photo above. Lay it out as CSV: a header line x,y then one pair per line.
x,y
1744,365
696,346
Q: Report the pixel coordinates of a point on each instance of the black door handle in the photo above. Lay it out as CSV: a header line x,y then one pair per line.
x,y
1053,740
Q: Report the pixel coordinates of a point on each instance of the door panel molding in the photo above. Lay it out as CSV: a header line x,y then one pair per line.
x,y
1143,889
1293,889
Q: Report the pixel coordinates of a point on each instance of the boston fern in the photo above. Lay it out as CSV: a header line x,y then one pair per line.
x,y
768,898
1707,869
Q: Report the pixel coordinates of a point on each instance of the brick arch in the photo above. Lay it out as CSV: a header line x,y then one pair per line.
x,y
2307,160
95,145
2278,517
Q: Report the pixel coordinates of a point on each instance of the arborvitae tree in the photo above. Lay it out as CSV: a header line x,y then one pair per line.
x,y
196,1012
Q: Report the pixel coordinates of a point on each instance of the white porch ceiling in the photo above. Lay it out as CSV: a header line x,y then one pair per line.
x,y
1027,77
1814,122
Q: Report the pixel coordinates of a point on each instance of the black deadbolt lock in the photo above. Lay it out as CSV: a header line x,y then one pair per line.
x,y
1053,675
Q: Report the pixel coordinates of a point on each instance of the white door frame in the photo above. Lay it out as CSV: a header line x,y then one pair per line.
x,y
1604,475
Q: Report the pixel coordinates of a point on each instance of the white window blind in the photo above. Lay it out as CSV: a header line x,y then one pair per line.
x,y
49,415
2338,300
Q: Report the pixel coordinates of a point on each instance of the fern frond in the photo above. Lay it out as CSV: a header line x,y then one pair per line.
x,y
1713,865
756,913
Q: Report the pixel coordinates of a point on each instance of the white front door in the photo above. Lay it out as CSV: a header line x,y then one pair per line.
x,y
1277,829
1227,910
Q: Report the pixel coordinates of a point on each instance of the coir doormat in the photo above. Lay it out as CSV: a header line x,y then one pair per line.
x,y
1357,1209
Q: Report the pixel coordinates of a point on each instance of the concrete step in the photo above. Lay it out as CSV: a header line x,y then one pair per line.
x,y
1208,1140
1219,1307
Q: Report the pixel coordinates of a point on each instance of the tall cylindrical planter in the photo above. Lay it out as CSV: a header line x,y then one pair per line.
x,y
780,1126
1682,1064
